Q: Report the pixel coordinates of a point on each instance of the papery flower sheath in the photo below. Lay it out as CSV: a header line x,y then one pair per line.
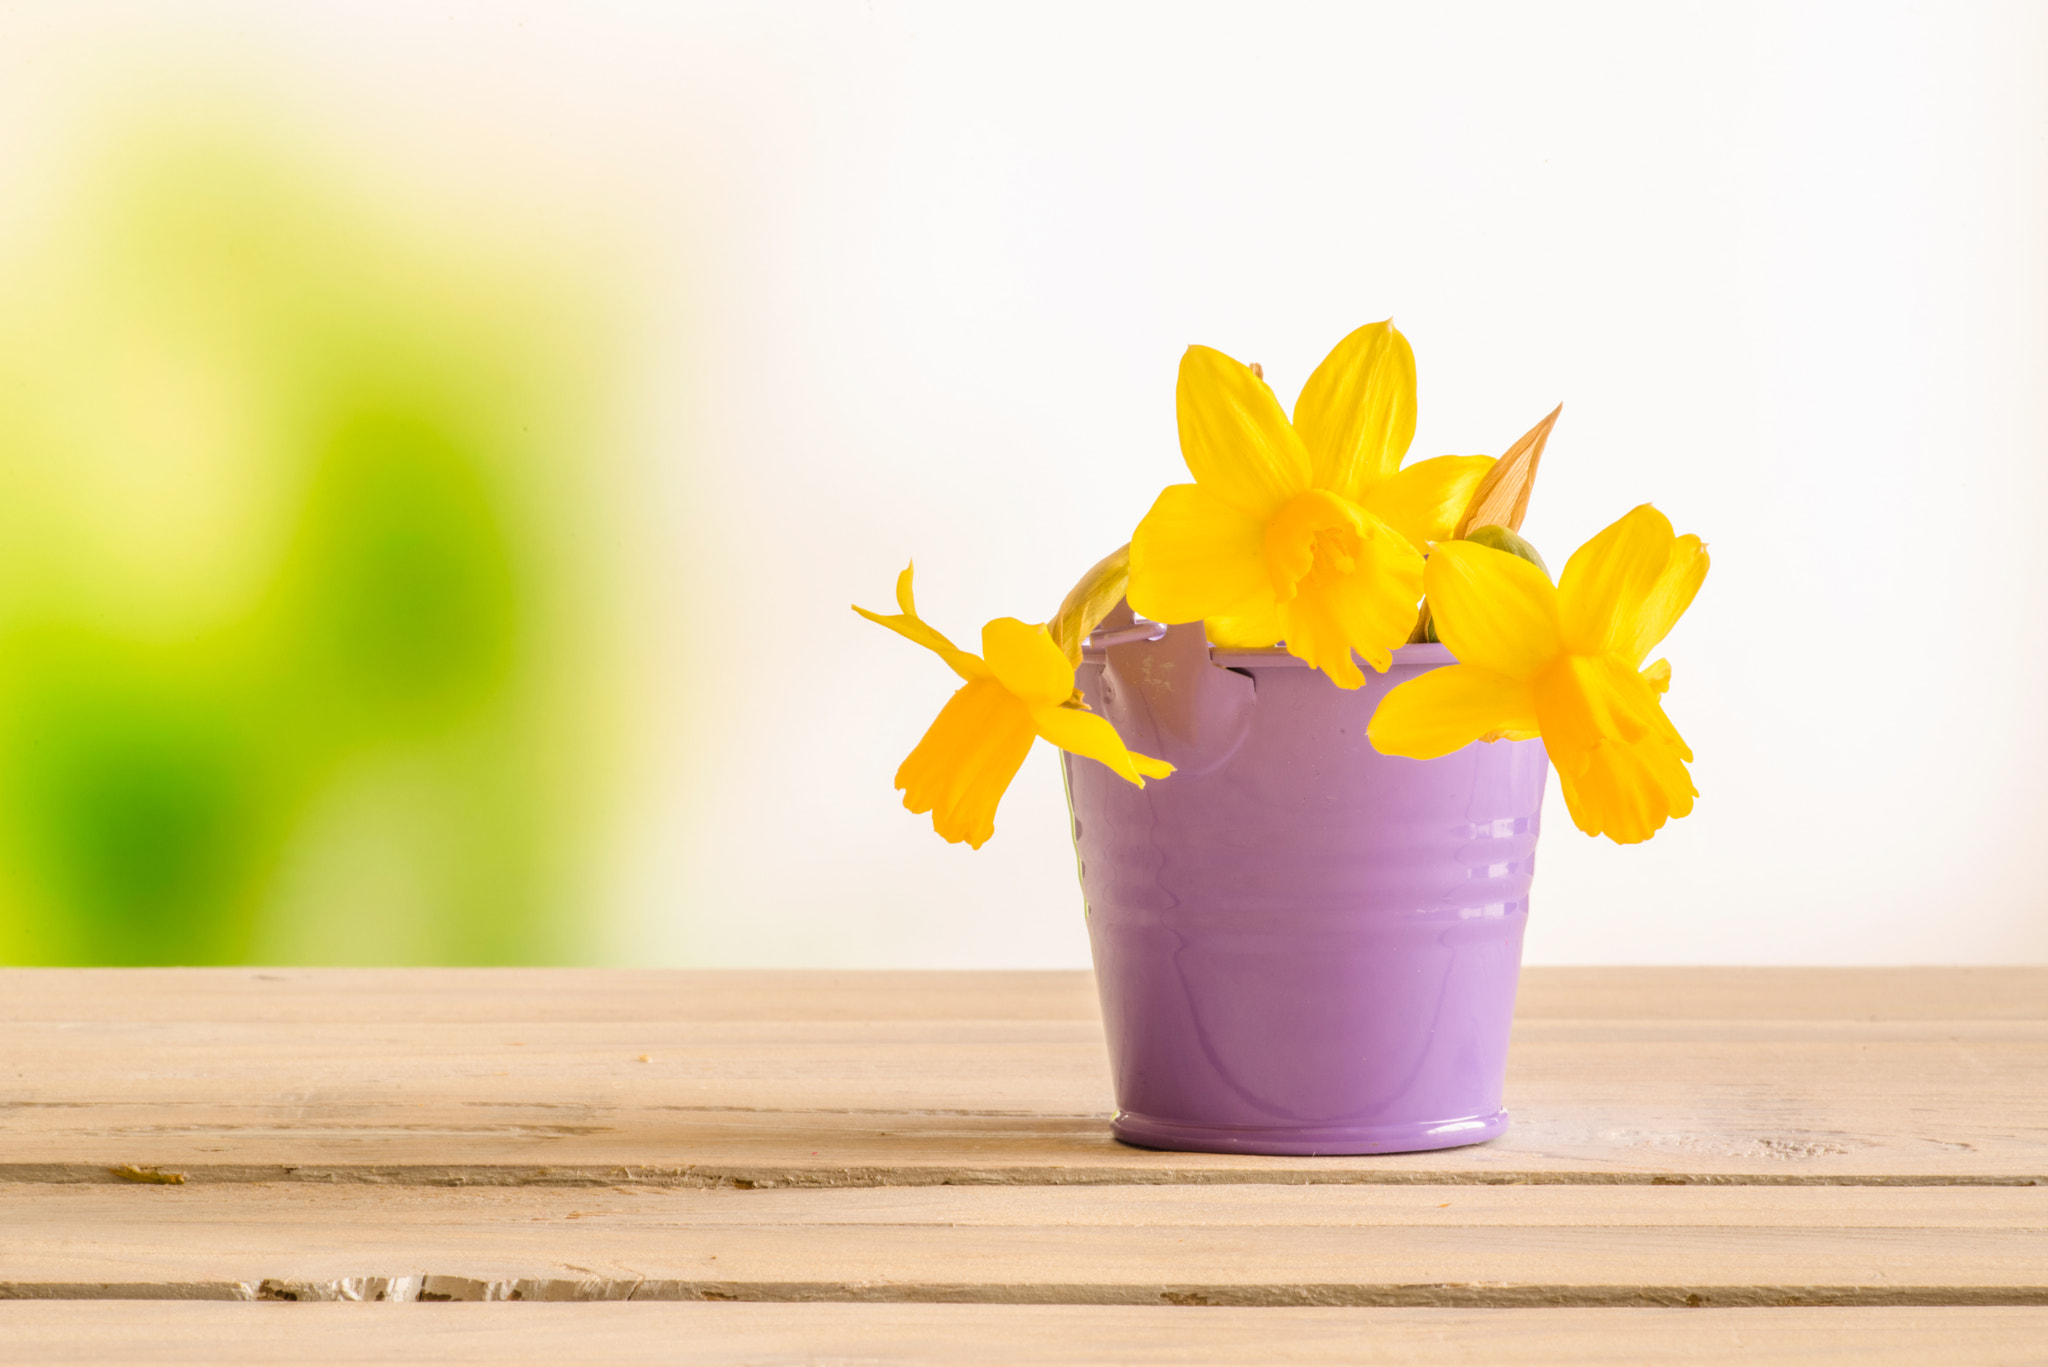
x,y
1307,531
1564,663
1019,688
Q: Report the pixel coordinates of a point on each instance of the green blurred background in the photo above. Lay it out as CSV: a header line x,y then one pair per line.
x,y
289,592
439,443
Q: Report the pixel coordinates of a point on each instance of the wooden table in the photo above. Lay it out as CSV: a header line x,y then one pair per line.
x,y
1758,1164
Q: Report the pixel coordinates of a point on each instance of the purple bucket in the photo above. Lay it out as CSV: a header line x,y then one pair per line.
x,y
1302,946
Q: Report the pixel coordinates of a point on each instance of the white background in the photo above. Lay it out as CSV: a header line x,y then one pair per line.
x,y
915,280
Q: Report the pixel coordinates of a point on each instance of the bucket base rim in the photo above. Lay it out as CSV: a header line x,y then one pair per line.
x,y
1307,1141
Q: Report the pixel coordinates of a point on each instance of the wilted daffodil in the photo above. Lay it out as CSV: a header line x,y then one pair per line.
x,y
1020,687
1306,531
1563,663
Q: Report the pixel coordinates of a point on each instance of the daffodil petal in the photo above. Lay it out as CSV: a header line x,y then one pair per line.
x,y
1425,501
1235,436
1091,736
910,626
1356,414
1658,676
1369,608
1493,609
1605,591
1675,589
963,766
1027,662
1449,708
1252,630
1197,556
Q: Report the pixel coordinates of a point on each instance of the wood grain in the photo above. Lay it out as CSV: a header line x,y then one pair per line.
x,y
1788,1076
1358,1245
55,1334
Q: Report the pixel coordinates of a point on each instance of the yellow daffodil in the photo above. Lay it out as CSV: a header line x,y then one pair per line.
x,y
1306,531
1563,663
1020,687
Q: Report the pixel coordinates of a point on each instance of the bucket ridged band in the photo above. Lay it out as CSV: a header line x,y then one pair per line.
x,y
1302,946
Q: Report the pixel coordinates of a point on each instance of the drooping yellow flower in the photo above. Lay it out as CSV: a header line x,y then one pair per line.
x,y
1020,687
1563,663
1306,531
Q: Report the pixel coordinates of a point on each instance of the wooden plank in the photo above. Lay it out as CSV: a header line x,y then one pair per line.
x,y
1357,1245
1783,994
523,1076
632,1334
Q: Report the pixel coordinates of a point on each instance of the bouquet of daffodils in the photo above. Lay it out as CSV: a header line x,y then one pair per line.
x,y
1311,535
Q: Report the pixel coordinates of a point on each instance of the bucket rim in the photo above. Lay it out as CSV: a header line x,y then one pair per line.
x,y
1416,653
1095,650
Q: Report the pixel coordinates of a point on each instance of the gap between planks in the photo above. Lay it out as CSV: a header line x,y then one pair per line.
x,y
433,1287
694,1177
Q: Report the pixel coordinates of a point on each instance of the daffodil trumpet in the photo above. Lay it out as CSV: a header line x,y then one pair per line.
x,y
1019,689
1306,530
1562,662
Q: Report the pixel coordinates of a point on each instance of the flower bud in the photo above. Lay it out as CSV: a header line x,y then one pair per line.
x,y
1502,539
